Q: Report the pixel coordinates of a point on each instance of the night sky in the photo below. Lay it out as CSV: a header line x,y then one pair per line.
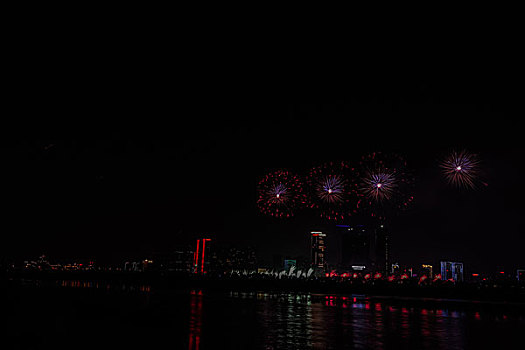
x,y
112,166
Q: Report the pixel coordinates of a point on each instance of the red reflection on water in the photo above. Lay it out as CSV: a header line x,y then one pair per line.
x,y
477,316
378,307
195,320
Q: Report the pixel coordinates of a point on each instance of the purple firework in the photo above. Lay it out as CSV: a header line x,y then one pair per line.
x,y
280,193
386,184
331,189
380,185
460,169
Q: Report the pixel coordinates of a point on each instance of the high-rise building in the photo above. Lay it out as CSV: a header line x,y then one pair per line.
x,y
426,270
201,257
318,249
452,270
364,245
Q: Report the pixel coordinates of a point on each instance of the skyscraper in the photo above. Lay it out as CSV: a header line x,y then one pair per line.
x,y
318,249
364,245
452,270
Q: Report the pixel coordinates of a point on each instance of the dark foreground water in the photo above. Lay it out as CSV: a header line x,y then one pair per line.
x,y
76,314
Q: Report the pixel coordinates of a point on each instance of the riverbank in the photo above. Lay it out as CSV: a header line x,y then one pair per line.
x,y
395,291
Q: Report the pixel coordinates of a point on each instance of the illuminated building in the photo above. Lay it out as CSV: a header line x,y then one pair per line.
x,y
318,249
426,270
395,268
201,256
452,270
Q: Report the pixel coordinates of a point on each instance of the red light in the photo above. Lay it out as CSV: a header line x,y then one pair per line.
x,y
327,275
404,276
367,276
203,250
197,256
377,275
475,274
501,272
390,278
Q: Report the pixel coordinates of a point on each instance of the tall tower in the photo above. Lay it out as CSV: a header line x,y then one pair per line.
x,y
318,249
201,256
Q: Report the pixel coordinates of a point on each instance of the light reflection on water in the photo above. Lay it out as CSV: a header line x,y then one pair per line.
x,y
199,320
302,321
126,287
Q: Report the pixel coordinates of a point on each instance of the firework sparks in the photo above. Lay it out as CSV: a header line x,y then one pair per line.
x,y
380,185
460,169
386,185
333,190
279,194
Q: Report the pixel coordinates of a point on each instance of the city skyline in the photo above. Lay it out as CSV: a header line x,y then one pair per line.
x,y
125,190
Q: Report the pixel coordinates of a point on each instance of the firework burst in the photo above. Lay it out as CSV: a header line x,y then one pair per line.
x,y
332,190
460,169
385,185
380,185
279,194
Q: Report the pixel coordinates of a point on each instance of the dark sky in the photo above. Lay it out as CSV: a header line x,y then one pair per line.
x,y
113,162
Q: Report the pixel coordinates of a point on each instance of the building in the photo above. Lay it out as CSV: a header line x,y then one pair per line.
x,y
288,263
426,270
364,247
230,258
395,269
452,271
201,256
520,275
318,249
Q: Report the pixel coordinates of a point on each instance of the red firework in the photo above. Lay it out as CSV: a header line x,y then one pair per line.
x,y
332,190
279,194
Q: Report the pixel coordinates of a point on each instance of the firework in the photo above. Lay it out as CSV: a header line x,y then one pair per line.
x,y
385,185
380,185
333,190
279,194
460,169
